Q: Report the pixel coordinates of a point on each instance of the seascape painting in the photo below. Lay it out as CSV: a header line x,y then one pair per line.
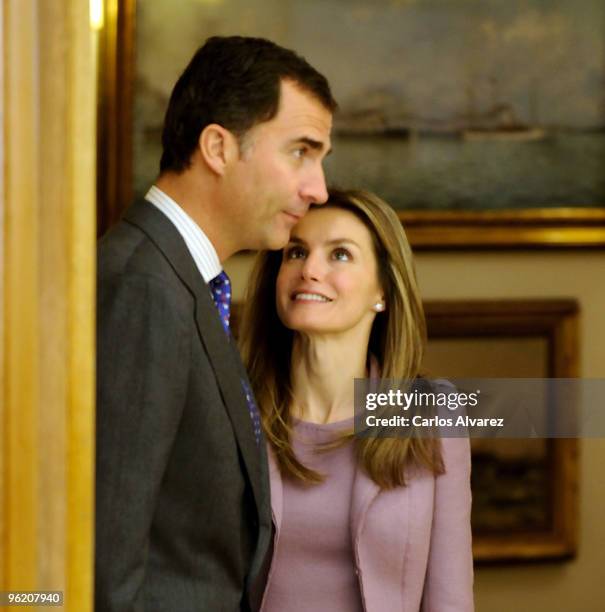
x,y
463,105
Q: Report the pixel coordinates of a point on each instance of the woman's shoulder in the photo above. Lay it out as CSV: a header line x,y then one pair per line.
x,y
455,442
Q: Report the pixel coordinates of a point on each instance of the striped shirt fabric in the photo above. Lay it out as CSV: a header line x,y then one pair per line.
x,y
201,249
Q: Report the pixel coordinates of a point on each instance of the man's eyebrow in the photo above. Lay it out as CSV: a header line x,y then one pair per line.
x,y
317,145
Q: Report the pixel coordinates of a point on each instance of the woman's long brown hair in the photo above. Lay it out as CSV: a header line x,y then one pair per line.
x,y
397,341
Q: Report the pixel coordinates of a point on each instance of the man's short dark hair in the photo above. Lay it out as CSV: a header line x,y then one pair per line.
x,y
233,81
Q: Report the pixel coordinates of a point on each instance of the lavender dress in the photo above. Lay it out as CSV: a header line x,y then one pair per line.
x,y
313,563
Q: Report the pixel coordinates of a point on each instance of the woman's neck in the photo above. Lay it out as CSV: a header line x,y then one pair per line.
x,y
323,369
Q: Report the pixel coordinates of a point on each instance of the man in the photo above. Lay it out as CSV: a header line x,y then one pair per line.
x,y
183,513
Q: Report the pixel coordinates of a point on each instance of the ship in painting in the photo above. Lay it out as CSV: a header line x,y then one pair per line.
x,y
385,113
501,123
374,113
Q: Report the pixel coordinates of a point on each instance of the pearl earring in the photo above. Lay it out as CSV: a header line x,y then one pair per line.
x,y
379,307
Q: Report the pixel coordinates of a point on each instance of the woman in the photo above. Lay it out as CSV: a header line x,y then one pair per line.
x,y
374,524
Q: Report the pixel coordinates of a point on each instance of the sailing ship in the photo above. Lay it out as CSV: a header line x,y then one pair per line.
x,y
501,123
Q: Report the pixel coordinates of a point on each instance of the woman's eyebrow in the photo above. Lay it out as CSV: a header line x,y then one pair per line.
x,y
332,241
343,241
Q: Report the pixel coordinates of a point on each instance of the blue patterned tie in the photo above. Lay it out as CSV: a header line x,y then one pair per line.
x,y
221,294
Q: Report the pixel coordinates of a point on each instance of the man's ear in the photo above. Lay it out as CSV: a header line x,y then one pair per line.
x,y
218,146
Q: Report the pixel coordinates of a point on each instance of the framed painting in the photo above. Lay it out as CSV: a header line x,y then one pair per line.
x,y
525,504
481,123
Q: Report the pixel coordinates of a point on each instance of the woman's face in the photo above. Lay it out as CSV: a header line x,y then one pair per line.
x,y
328,280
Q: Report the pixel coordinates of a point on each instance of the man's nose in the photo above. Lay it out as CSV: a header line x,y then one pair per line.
x,y
314,191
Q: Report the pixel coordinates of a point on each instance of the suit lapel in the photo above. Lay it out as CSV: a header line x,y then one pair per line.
x,y
380,522
364,492
224,357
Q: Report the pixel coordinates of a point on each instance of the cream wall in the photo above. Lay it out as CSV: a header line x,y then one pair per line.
x,y
569,586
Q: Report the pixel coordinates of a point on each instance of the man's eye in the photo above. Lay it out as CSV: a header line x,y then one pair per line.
x,y
341,254
300,152
294,252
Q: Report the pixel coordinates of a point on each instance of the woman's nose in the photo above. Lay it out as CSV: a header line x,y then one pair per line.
x,y
312,268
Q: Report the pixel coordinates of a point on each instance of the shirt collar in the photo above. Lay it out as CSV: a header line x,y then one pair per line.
x,y
202,251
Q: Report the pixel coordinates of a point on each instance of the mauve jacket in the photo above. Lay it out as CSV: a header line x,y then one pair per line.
x,y
412,544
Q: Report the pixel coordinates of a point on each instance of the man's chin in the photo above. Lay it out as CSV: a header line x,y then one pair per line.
x,y
278,240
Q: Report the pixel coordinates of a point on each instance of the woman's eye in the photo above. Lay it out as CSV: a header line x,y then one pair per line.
x,y
341,254
294,252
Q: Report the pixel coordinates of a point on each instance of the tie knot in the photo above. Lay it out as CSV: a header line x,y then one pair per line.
x,y
221,283
220,286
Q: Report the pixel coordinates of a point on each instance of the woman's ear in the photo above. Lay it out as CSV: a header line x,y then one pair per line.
x,y
217,146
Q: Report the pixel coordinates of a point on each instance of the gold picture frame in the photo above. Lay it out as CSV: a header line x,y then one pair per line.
x,y
555,323
539,228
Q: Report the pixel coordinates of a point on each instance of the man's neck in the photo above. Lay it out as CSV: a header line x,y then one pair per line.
x,y
201,203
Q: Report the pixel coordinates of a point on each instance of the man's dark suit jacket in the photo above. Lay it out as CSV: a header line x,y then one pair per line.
x,y
183,515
